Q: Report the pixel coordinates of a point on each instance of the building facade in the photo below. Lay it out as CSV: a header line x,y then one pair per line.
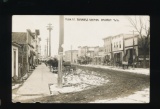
x,y
130,47
37,46
117,48
99,55
71,56
82,51
90,52
27,51
31,49
15,60
132,52
107,47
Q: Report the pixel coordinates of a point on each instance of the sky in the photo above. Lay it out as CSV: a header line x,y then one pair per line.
x,y
81,30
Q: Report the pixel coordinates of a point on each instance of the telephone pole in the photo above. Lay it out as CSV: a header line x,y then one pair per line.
x,y
47,47
49,27
134,51
60,50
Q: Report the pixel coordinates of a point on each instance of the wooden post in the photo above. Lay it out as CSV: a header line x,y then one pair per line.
x,y
133,52
60,70
60,50
47,46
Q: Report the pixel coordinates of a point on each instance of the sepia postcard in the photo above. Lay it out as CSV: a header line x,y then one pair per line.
x,y
81,58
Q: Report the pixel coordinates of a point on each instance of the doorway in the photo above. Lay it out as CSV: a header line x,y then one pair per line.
x,y
14,64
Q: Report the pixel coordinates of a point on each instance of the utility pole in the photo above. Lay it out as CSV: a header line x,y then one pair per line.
x,y
133,50
111,55
47,46
133,53
60,50
49,27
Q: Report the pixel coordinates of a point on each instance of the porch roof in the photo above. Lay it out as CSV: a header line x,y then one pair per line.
x,y
16,44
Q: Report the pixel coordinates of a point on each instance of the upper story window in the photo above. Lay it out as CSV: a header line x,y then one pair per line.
x,y
119,44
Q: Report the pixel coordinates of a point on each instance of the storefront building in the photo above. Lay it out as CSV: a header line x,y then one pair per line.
x,y
117,48
107,47
130,48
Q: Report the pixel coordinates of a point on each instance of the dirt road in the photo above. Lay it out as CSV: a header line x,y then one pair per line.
x,y
120,84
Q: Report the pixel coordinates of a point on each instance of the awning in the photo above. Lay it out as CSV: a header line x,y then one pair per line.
x,y
129,48
118,52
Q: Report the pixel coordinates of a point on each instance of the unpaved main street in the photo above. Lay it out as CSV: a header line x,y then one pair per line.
x,y
121,84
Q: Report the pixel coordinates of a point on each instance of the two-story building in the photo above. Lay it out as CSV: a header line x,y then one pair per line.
x,y
21,39
132,51
108,47
130,47
26,40
117,48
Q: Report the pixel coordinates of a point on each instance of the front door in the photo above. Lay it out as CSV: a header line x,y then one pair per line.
x,y
14,60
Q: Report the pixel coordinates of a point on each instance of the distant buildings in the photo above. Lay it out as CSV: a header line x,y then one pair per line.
x,y
91,54
71,55
107,47
98,55
116,50
82,51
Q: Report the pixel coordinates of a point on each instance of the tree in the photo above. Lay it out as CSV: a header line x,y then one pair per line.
x,y
144,35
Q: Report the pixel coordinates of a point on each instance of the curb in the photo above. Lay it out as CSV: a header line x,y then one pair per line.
x,y
115,69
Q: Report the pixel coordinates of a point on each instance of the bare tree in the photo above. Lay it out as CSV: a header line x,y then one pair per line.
x,y
144,35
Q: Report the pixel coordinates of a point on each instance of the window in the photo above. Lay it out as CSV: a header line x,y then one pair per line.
x,y
119,44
